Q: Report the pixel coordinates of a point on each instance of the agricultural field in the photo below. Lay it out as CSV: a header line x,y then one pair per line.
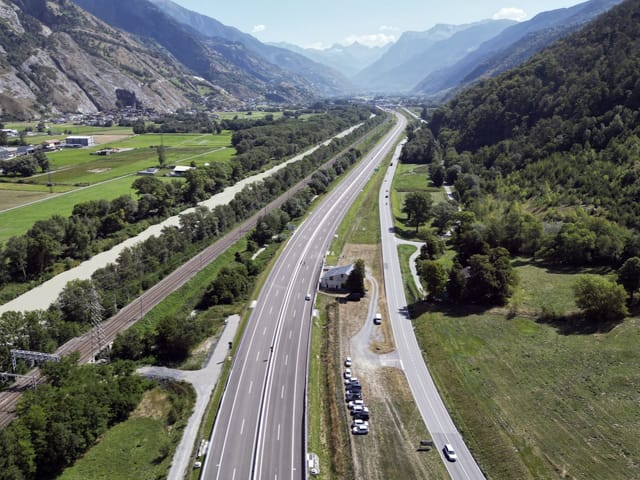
x,y
533,402
77,176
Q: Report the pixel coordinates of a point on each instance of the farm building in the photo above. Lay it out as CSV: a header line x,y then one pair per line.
x,y
335,278
79,141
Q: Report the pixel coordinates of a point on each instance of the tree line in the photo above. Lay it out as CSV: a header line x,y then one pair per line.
x,y
61,420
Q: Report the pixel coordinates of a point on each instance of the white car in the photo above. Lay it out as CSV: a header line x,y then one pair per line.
x,y
450,453
358,422
307,297
347,362
350,381
360,429
347,373
353,403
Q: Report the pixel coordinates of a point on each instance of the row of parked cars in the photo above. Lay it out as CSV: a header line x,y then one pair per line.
x,y
353,396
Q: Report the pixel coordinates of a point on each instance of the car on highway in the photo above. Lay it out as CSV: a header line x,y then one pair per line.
x,y
307,297
347,362
450,453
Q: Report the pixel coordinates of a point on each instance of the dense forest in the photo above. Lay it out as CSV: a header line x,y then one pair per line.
x,y
563,129
545,156
544,160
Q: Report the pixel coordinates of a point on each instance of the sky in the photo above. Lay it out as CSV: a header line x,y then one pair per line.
x,y
322,23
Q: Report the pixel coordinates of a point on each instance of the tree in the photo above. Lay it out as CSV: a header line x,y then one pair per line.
x,y
457,282
417,207
162,156
75,301
629,275
434,276
443,216
491,277
355,280
433,246
17,254
42,159
437,174
601,299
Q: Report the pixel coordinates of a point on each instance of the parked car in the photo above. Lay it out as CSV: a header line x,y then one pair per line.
x,y
361,414
347,362
450,453
360,430
358,421
355,403
349,396
347,374
351,381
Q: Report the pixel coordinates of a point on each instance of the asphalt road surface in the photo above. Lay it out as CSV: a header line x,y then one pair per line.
x,y
425,393
260,430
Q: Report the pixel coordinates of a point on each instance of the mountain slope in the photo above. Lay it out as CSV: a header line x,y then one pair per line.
x,y
324,80
513,46
228,64
410,60
564,127
56,58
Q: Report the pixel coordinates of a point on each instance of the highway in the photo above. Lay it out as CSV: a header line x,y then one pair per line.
x,y
260,430
425,393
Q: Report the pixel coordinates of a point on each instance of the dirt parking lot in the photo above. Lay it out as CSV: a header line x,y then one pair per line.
x,y
390,450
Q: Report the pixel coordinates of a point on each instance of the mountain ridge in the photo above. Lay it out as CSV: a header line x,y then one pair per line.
x,y
418,53
513,46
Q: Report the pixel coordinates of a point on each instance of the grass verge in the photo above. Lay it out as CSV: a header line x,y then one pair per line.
x,y
142,446
410,288
531,401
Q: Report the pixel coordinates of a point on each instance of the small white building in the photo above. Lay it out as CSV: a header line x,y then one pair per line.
x,y
335,278
179,170
80,141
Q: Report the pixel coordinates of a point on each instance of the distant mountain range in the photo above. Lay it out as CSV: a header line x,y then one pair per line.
x,y
346,59
416,54
92,55
513,46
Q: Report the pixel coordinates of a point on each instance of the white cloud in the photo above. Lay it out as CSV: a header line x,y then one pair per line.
x,y
387,28
371,40
259,28
510,13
